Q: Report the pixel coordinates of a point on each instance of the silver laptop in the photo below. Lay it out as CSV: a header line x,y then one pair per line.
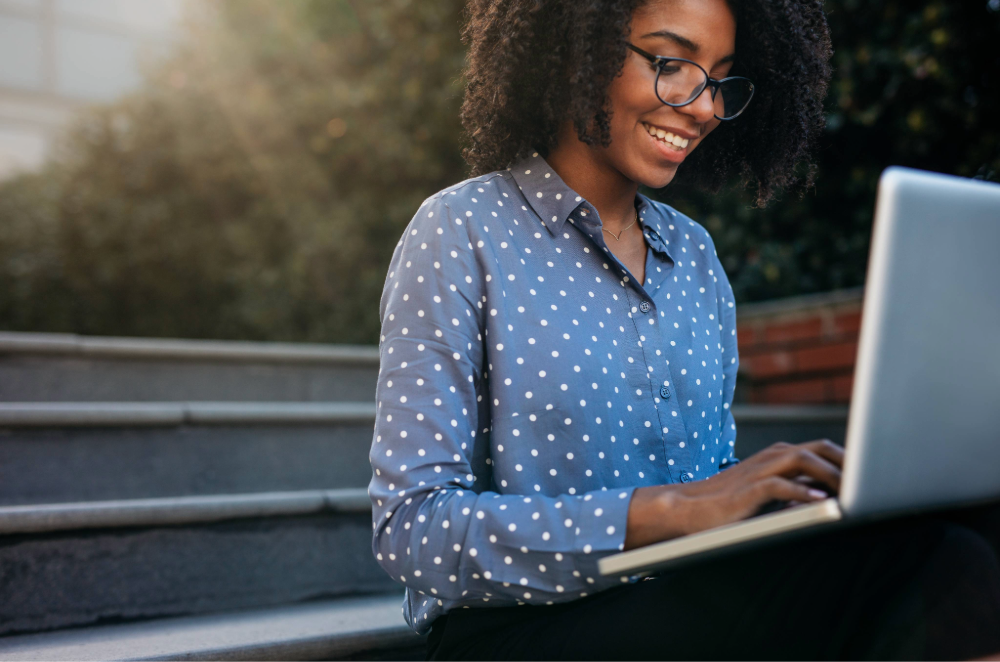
x,y
924,426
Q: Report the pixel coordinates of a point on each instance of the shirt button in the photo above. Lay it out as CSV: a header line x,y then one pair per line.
x,y
644,306
664,392
685,478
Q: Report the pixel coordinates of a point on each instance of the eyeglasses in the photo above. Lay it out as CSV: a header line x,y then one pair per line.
x,y
679,82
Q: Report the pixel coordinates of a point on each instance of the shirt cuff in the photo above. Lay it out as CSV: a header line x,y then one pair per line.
x,y
603,518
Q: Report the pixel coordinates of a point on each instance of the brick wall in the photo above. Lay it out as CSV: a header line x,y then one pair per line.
x,y
799,350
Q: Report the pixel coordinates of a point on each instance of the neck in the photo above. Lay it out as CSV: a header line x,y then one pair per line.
x,y
585,170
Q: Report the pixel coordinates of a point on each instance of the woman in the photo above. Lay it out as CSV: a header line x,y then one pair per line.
x,y
558,358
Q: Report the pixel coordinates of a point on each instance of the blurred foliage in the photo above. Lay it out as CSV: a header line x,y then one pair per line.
x,y
257,184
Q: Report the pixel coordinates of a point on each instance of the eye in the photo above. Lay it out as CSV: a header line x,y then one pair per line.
x,y
668,68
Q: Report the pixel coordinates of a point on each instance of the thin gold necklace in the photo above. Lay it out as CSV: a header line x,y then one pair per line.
x,y
625,228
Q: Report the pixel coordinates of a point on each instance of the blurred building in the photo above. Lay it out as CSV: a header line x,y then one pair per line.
x,y
56,55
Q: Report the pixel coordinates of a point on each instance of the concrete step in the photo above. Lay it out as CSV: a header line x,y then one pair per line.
x,y
59,452
71,565
46,367
146,513
368,627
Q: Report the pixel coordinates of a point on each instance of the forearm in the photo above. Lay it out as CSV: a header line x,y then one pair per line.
x,y
656,513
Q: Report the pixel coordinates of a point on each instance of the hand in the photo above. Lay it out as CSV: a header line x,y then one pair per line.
x,y
782,471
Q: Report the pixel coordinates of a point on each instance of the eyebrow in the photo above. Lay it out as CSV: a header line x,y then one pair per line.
x,y
685,43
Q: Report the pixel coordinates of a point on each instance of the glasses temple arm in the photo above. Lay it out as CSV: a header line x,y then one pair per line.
x,y
648,56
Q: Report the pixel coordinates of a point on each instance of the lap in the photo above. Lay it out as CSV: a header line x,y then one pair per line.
x,y
868,591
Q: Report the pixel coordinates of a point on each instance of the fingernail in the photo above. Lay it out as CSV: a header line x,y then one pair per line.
x,y
817,494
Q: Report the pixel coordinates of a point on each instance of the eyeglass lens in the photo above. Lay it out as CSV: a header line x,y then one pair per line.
x,y
679,82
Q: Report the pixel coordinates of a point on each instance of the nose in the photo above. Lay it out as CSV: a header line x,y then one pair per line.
x,y
702,109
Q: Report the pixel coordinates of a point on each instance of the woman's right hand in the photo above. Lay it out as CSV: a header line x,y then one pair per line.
x,y
780,472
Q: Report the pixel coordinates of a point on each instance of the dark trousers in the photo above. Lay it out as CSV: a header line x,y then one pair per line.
x,y
920,587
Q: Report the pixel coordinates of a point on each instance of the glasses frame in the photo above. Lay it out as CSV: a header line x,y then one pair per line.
x,y
660,60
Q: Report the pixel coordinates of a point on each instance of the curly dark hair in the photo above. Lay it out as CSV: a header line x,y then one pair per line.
x,y
533,63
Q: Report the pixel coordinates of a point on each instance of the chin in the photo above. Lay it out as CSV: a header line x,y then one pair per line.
x,y
656,177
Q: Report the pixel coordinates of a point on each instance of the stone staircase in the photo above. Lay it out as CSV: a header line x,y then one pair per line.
x,y
189,499
196,499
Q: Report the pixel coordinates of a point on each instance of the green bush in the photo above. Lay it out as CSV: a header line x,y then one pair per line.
x,y
256,186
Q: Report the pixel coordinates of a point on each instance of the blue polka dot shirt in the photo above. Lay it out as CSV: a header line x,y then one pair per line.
x,y
528,384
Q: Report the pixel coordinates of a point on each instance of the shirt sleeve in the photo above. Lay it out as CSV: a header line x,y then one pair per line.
x,y
731,363
432,531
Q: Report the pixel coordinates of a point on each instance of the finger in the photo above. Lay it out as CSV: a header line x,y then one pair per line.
x,y
782,489
763,456
801,460
778,458
809,481
827,449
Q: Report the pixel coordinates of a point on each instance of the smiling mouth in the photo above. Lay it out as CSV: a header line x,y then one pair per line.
x,y
666,137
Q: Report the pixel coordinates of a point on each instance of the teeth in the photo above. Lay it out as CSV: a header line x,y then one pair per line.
x,y
667,137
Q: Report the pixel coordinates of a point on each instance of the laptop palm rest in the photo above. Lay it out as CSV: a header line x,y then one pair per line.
x,y
731,537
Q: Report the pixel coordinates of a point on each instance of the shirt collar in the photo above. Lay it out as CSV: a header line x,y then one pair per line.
x,y
545,191
555,202
652,225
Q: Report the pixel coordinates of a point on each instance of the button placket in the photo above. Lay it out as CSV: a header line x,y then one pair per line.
x,y
637,372
656,380
635,369
677,431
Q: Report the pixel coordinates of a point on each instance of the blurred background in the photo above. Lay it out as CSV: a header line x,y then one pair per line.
x,y
242,169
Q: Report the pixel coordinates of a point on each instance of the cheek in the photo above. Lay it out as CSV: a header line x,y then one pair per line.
x,y
630,99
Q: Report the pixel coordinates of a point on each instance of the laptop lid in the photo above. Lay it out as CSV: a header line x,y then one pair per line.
x,y
924,425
